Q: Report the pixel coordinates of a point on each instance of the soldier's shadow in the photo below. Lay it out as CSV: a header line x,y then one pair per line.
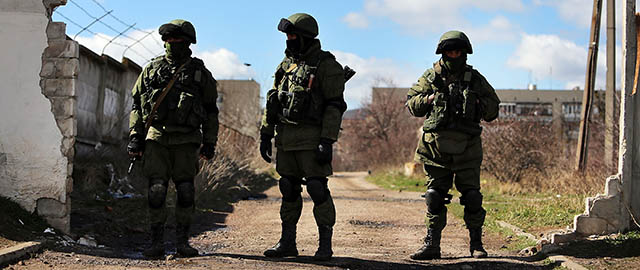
x,y
119,227
358,263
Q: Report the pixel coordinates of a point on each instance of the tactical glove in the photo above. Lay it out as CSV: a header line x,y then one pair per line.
x,y
135,146
207,150
324,152
265,147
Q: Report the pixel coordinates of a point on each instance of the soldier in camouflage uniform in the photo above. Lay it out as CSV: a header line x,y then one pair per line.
x,y
304,112
453,97
186,121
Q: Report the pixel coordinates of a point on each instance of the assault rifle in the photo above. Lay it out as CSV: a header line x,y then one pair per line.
x,y
348,73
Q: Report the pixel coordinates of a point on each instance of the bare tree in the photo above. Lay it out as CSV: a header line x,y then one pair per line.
x,y
381,134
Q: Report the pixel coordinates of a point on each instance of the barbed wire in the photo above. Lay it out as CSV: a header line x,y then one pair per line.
x,y
127,24
120,34
103,37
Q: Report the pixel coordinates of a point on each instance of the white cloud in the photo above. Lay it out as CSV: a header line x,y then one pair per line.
x,y
498,29
146,49
420,16
549,55
356,20
579,12
223,63
369,72
575,11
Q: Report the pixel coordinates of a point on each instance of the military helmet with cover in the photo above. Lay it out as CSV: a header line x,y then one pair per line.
x,y
180,29
299,23
454,40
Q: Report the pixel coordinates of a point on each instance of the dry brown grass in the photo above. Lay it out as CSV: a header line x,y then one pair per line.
x,y
527,156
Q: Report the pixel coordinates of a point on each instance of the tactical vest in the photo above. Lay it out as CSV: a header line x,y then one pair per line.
x,y
296,98
455,106
182,108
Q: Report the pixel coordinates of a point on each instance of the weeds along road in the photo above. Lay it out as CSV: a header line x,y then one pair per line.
x,y
375,229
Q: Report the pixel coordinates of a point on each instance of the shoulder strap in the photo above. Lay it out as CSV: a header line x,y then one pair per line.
x,y
164,93
468,74
324,55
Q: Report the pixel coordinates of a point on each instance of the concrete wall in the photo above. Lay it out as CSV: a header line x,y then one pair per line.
x,y
104,98
36,131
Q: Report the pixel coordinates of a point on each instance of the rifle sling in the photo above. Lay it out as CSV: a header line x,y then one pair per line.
x,y
164,93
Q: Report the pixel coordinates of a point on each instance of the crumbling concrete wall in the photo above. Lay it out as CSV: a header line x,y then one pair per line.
x,y
618,209
37,109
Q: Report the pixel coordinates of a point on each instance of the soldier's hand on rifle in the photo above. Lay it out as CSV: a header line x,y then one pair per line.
x,y
207,151
265,147
135,146
324,152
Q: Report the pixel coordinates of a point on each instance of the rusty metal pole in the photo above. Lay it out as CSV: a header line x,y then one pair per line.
x,y
609,119
587,101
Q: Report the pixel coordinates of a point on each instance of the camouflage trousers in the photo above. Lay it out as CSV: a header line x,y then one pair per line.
x,y
298,167
442,180
178,163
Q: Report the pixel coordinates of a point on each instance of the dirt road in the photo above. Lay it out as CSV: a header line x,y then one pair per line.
x,y
375,229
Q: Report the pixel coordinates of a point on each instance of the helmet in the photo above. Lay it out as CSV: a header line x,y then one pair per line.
x,y
178,28
299,23
454,40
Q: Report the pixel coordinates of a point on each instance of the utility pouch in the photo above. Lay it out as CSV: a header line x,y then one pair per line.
x,y
470,107
273,106
298,103
184,107
438,116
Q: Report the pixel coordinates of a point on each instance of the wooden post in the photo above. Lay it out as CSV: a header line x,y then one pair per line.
x,y
609,119
587,102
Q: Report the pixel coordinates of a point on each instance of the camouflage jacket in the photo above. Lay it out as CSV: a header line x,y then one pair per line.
x,y
300,115
451,129
188,114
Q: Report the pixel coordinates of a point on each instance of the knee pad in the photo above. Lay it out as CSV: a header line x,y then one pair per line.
x,y
472,200
186,194
157,195
289,188
436,200
318,190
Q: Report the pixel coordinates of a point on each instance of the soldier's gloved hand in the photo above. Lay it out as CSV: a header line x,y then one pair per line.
x,y
135,146
207,151
265,147
324,152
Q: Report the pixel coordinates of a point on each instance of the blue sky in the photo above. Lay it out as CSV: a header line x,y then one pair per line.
x,y
516,42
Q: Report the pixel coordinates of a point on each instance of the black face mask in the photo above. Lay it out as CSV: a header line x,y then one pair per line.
x,y
177,50
455,65
295,45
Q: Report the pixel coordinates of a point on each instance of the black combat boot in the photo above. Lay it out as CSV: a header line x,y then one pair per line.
x,y
182,241
431,248
286,247
475,243
324,251
157,242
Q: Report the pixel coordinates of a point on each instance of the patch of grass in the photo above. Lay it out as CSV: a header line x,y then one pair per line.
x,y
397,181
532,211
513,242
